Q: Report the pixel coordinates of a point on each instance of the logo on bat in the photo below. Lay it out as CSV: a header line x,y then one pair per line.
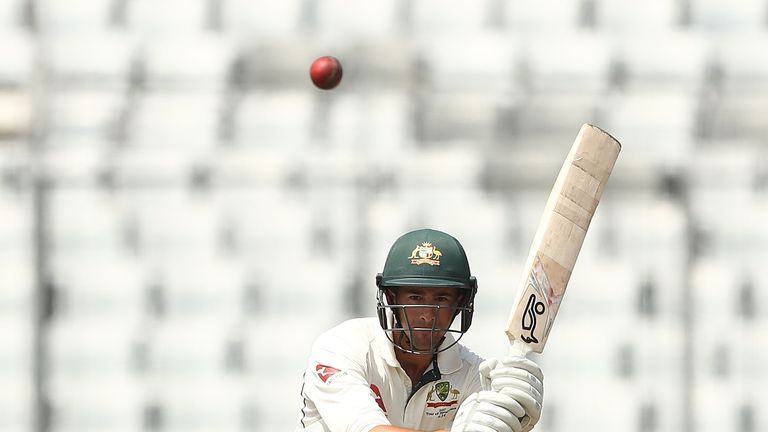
x,y
532,309
541,297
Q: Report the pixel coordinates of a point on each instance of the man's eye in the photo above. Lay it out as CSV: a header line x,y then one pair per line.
x,y
414,297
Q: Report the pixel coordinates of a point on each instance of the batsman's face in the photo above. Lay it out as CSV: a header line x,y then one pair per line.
x,y
421,320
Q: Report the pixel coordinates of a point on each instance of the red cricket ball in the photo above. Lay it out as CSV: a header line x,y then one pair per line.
x,y
326,72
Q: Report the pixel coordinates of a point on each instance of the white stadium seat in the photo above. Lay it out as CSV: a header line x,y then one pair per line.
x,y
605,286
269,168
283,289
275,119
673,116
722,16
17,350
456,166
114,404
267,221
182,350
73,16
282,339
99,287
17,289
17,48
266,413
341,20
278,348
95,60
469,117
158,166
76,159
155,18
732,235
631,406
95,228
668,61
432,17
204,289
247,19
724,350
707,397
16,412
17,229
78,115
12,13
577,61
206,405
643,20
376,125
734,55
191,63
743,77
549,16
648,226
563,411
566,76
172,224
185,122
16,113
483,62
91,349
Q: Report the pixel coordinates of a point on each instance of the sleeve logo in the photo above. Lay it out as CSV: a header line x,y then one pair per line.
x,y
324,372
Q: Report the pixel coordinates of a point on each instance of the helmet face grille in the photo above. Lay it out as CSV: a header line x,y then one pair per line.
x,y
402,333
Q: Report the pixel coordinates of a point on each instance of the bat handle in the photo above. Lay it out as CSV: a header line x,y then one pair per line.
x,y
518,348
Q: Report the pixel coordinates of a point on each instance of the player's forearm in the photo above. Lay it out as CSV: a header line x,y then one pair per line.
x,y
397,429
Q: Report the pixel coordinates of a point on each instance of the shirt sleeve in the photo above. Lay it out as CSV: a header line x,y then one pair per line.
x,y
473,383
335,382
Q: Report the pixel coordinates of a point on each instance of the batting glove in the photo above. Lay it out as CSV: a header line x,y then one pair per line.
x,y
519,378
488,411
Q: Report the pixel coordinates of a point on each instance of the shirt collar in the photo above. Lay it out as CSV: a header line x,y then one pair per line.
x,y
386,348
449,360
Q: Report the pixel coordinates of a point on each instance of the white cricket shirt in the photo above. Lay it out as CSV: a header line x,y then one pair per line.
x,y
354,382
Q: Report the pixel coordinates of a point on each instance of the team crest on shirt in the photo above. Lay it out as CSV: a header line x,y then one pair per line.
x,y
426,253
441,389
442,400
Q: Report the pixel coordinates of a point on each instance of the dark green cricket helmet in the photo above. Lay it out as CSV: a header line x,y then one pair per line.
x,y
426,258
429,258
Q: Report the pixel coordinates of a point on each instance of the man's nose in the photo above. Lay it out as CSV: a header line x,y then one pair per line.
x,y
427,314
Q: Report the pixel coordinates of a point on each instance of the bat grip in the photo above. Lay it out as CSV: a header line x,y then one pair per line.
x,y
518,348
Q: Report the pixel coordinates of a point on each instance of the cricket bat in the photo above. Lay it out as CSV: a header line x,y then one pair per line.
x,y
559,237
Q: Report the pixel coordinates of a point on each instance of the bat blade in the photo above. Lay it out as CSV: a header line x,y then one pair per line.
x,y
556,245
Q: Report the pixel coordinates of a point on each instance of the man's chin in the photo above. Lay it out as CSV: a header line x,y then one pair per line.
x,y
420,346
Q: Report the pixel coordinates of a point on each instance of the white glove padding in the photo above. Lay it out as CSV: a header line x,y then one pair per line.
x,y
519,378
488,411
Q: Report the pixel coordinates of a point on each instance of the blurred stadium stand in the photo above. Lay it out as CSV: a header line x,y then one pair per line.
x,y
183,213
